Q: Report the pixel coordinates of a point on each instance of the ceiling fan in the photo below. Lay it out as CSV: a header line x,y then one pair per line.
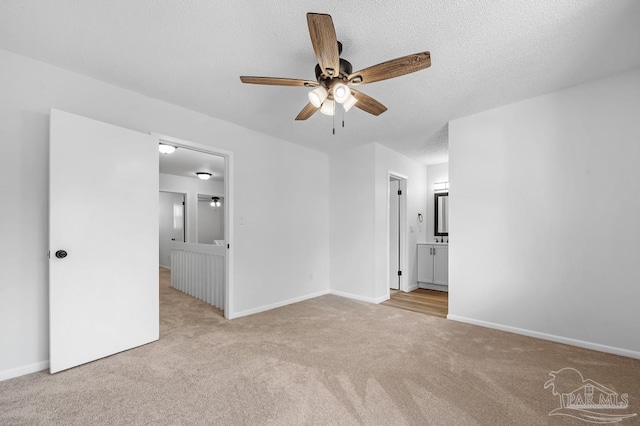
x,y
335,79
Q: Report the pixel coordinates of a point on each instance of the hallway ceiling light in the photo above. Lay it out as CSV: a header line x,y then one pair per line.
x,y
204,175
166,149
215,202
441,186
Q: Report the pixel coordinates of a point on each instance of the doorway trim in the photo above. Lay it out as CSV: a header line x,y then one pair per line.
x,y
403,264
228,208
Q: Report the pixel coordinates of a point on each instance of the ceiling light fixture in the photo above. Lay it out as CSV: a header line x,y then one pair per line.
x,y
215,202
341,92
441,186
328,107
204,175
166,149
317,96
351,101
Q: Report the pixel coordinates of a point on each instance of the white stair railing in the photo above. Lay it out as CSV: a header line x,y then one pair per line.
x,y
198,270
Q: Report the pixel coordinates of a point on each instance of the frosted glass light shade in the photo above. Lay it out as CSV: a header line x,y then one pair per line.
x,y
351,101
166,149
204,175
341,92
317,96
441,186
328,107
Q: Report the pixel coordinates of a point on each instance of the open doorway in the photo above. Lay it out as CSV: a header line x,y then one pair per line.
x,y
211,219
171,224
396,232
199,263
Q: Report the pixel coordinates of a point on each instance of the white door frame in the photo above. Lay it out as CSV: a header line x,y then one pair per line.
x,y
228,208
403,264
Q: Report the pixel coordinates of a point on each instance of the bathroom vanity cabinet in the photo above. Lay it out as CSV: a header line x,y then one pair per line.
x,y
433,266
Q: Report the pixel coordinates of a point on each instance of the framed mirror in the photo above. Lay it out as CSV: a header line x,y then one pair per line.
x,y
441,216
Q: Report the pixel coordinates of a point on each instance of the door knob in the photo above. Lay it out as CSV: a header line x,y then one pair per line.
x,y
61,254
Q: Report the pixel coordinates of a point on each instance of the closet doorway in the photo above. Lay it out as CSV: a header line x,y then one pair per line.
x,y
171,223
397,234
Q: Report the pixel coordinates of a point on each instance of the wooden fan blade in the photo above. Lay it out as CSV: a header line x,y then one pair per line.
x,y
275,81
393,68
325,43
307,111
367,103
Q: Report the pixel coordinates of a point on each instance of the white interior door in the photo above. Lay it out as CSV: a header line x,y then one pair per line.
x,y
103,212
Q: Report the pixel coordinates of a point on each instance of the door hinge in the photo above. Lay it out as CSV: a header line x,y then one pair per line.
x,y
399,191
49,254
399,273
228,245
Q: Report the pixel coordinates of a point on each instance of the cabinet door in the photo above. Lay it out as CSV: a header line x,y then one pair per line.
x,y
425,264
441,265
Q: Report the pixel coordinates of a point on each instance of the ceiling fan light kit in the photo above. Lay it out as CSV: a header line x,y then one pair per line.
x,y
335,79
350,102
341,92
317,96
328,107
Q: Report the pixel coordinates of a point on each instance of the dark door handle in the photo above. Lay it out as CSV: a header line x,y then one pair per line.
x,y
61,254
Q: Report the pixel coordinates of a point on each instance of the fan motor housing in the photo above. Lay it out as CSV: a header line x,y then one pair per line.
x,y
345,69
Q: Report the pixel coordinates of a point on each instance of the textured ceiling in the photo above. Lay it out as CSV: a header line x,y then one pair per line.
x,y
191,53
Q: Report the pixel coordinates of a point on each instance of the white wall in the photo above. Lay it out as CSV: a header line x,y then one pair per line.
x,y
276,251
191,187
359,218
545,208
352,222
435,173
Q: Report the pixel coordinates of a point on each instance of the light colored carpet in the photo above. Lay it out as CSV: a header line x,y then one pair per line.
x,y
325,361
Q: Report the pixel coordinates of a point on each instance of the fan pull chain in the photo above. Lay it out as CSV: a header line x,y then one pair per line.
x,y
334,119
343,118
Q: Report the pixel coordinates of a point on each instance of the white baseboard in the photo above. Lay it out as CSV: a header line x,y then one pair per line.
x,y
358,297
276,305
436,287
412,287
25,369
550,337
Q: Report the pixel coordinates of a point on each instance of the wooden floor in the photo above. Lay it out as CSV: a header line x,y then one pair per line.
x,y
428,302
